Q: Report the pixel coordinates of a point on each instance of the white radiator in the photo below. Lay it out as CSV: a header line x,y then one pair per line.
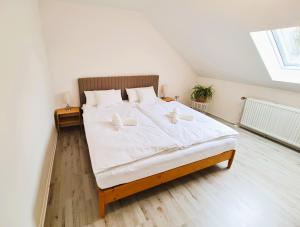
x,y
273,120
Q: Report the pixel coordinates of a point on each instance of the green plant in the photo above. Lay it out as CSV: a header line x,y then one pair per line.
x,y
201,93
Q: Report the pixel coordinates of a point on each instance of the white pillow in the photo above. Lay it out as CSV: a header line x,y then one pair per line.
x,y
90,98
146,95
118,96
108,97
132,95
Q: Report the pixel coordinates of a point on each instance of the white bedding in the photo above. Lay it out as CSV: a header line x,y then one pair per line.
x,y
136,152
162,162
187,133
110,148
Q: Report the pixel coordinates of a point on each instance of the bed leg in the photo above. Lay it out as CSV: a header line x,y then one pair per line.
x,y
101,203
231,160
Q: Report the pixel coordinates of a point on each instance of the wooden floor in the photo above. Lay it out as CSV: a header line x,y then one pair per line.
x,y
261,189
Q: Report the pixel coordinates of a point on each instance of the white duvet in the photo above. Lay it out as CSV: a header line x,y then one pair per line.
x,y
110,148
187,133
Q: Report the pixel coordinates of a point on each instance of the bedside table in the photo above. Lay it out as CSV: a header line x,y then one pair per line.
x,y
66,118
167,99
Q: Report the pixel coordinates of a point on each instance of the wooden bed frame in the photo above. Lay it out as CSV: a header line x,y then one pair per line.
x,y
115,193
112,194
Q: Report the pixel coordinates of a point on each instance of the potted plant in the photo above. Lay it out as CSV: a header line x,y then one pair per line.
x,y
201,93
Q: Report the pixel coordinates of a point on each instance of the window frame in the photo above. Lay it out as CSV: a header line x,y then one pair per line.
x,y
272,60
278,54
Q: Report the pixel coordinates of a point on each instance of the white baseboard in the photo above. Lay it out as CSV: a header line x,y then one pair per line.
x,y
48,181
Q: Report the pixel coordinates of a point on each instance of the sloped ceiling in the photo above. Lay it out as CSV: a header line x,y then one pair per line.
x,y
213,36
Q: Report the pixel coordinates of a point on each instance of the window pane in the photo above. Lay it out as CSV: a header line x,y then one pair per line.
x,y
288,43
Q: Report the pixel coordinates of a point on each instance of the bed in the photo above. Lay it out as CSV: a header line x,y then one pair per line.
x,y
122,173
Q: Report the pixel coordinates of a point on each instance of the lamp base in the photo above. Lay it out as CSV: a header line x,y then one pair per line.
x,y
68,108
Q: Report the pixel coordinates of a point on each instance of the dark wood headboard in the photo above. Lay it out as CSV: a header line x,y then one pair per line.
x,y
115,82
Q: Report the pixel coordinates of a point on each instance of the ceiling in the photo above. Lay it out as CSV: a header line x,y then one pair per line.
x,y
213,36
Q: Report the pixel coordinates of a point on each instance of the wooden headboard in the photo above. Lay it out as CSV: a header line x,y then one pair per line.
x,y
115,82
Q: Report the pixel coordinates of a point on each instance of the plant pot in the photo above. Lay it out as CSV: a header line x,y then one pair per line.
x,y
202,99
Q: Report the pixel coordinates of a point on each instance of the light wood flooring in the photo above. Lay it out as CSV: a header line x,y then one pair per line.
x,y
262,188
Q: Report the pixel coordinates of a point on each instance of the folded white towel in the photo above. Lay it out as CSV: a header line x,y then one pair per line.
x,y
174,118
186,117
117,121
130,122
175,111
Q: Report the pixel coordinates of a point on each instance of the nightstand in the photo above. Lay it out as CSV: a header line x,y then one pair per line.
x,y
167,99
66,118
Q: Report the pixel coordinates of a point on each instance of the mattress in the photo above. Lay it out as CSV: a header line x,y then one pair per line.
x,y
113,161
162,162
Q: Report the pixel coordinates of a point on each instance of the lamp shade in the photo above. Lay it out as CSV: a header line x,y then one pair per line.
x,y
163,90
67,97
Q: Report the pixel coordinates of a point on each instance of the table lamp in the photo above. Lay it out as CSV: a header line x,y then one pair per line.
x,y
67,99
163,90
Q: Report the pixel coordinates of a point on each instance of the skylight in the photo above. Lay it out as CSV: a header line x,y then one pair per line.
x,y
287,42
280,52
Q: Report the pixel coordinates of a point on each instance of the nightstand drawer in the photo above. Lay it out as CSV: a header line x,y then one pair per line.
x,y
68,115
69,121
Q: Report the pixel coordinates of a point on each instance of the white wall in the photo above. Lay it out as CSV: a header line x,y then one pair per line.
x,y
26,118
227,103
213,36
84,39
